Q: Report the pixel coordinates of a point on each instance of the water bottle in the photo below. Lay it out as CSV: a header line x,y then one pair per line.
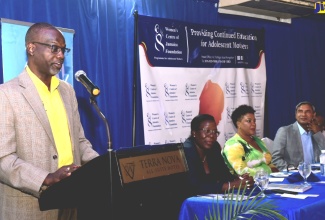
x,y
322,163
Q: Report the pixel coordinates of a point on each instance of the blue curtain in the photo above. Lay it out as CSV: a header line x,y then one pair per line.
x,y
104,48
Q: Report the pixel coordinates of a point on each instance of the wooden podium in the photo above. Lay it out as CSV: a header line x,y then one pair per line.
x,y
145,182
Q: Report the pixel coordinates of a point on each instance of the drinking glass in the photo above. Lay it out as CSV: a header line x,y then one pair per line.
x,y
304,170
261,180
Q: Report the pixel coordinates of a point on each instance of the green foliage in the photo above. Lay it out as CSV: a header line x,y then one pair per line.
x,y
237,206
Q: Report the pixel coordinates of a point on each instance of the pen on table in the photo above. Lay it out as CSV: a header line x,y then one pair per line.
x,y
207,195
284,191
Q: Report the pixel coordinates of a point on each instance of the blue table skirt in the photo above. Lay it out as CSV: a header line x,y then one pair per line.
x,y
311,208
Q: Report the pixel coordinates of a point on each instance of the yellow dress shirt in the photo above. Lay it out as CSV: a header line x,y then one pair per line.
x,y
57,116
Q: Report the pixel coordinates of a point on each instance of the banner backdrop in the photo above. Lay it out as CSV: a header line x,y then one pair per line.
x,y
14,56
187,69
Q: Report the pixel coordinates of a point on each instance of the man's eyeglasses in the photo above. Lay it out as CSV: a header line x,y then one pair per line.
x,y
210,131
54,48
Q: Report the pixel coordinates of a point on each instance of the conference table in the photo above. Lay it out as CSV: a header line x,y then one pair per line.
x,y
310,208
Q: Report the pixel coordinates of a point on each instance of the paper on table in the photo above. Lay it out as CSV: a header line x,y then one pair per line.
x,y
280,174
297,196
311,195
224,197
271,179
288,187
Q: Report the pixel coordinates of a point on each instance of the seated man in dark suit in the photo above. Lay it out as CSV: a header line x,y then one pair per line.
x,y
300,141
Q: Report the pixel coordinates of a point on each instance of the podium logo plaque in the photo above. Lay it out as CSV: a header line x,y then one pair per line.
x,y
142,167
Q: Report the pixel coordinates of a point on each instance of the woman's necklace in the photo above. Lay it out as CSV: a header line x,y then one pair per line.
x,y
250,140
205,157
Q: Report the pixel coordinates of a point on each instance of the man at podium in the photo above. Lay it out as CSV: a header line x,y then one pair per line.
x,y
42,139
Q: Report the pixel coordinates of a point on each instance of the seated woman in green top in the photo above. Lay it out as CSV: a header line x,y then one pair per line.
x,y
244,152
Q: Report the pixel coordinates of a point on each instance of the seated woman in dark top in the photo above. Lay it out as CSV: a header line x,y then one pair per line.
x,y
208,172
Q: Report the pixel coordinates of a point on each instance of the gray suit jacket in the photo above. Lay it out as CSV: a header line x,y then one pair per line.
x,y
287,146
27,148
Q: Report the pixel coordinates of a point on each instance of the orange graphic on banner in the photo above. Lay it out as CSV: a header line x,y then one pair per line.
x,y
212,100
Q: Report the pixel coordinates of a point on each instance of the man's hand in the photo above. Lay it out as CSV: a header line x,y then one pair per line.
x,y
314,126
60,174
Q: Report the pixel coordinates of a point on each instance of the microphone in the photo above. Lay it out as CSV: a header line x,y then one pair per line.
x,y
91,88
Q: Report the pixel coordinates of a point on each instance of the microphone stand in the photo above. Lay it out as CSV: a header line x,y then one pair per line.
x,y
109,149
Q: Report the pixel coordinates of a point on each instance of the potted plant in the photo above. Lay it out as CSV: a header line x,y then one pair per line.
x,y
237,205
